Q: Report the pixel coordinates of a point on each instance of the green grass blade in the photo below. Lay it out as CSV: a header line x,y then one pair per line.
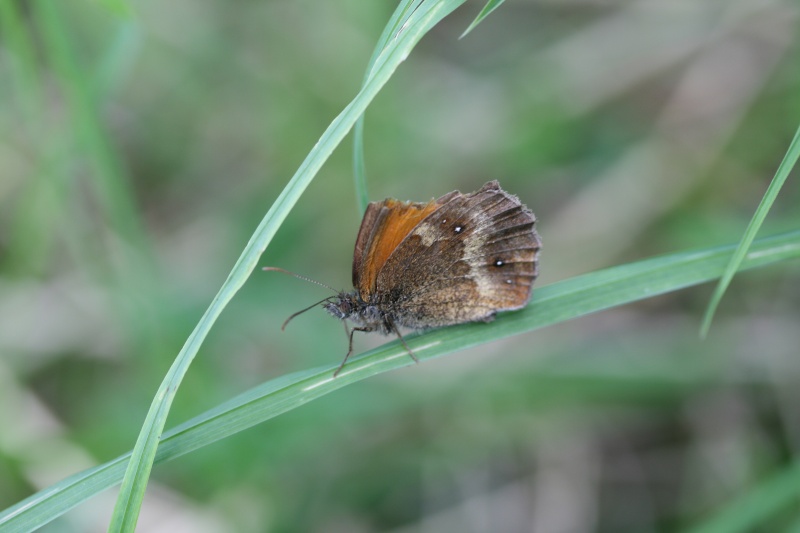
x,y
118,7
786,166
22,59
134,483
119,58
750,510
110,180
400,16
490,6
552,304
360,167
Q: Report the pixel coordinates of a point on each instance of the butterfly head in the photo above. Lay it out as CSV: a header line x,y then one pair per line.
x,y
350,306
343,306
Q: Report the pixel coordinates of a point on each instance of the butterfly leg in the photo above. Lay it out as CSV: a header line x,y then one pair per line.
x,y
397,332
350,347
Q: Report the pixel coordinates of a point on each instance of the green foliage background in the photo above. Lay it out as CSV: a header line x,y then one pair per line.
x,y
140,146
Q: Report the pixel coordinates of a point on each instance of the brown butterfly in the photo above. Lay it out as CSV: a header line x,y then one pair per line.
x,y
459,258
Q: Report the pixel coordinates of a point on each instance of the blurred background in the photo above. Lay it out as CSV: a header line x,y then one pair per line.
x,y
141,145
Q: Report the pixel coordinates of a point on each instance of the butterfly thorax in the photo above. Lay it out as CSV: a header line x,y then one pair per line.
x,y
370,315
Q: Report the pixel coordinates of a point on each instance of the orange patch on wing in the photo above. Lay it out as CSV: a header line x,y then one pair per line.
x,y
400,221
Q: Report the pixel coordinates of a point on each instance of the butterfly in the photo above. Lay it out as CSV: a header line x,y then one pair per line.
x,y
459,258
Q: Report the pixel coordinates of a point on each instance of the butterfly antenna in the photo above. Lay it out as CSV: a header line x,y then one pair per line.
x,y
312,306
298,276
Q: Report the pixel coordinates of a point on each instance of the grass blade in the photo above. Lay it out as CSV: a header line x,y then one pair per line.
x,y
359,166
400,16
749,511
552,304
763,208
490,6
110,179
134,483
18,40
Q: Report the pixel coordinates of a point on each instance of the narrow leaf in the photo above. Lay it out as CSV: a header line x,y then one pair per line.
x,y
399,18
749,511
789,161
552,304
490,6
129,501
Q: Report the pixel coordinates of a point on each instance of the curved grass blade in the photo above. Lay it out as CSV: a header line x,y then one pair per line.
x,y
119,58
552,304
750,510
786,166
399,18
490,6
359,167
118,7
110,180
129,501
17,40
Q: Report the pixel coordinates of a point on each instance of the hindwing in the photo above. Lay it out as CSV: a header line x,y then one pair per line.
x,y
469,257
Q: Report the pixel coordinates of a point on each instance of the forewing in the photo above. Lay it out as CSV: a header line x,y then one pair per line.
x,y
384,226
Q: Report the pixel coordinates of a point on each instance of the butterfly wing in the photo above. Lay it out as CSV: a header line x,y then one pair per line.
x,y
472,256
383,228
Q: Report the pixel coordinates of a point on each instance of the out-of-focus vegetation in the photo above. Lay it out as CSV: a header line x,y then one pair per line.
x,y
140,146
